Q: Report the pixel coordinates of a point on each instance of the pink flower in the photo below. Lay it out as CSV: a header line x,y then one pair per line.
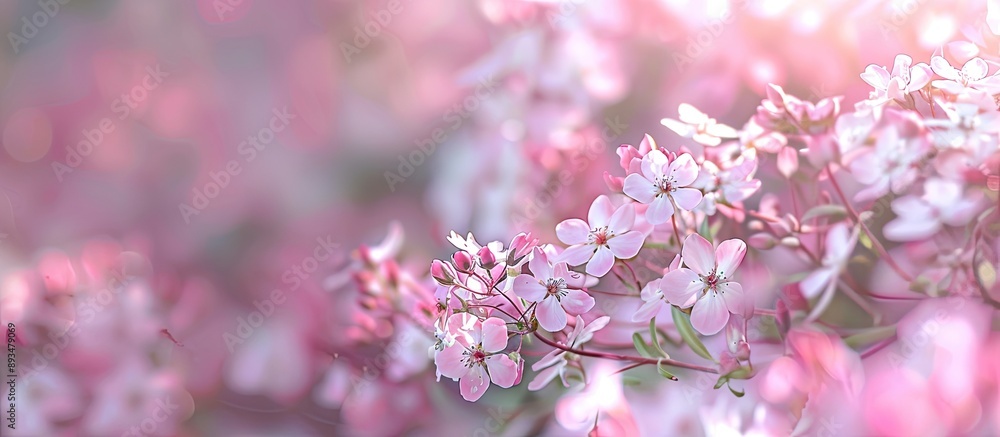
x,y
943,203
553,288
555,362
474,357
662,184
652,296
903,81
607,236
705,284
695,125
890,166
972,76
840,243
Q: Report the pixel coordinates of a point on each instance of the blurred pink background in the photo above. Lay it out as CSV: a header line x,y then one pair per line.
x,y
222,157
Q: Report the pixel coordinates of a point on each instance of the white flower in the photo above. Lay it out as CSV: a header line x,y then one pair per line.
x,y
695,125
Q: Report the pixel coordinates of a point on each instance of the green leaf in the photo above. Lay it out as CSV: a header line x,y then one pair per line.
x,y
738,394
834,212
664,373
870,336
655,340
641,346
722,381
690,337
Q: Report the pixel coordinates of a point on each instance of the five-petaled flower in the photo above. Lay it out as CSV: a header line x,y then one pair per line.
x,y
905,79
607,236
474,358
706,282
664,183
972,76
555,289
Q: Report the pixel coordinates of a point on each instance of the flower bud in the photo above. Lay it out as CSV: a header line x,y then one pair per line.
x,y
463,261
742,351
442,272
615,184
790,242
762,241
486,258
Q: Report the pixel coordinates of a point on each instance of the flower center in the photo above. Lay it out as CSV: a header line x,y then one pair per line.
x,y
474,356
600,236
665,184
556,287
712,281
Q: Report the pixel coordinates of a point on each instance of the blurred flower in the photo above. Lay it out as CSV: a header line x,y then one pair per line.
x,y
695,125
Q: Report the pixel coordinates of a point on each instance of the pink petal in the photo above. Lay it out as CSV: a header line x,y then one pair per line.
x,y
544,377
728,257
602,261
573,231
687,198
943,68
528,288
698,254
659,211
626,245
681,287
876,76
577,254
788,161
449,361
623,219
503,370
920,76
975,69
550,314
554,356
600,212
902,229
494,335
816,282
648,310
901,65
732,295
710,314
577,302
654,164
639,188
539,264
474,384
896,89
684,170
